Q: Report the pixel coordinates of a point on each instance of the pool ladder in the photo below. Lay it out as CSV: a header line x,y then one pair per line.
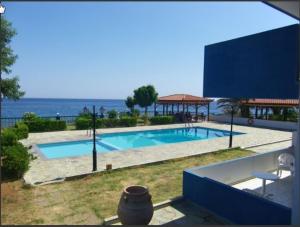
x,y
188,124
89,132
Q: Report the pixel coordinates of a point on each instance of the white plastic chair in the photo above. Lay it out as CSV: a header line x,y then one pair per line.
x,y
286,161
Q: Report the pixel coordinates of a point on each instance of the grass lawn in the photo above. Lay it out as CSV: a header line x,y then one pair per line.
x,y
91,199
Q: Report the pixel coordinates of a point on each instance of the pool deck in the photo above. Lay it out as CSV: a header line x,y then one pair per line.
x,y
46,171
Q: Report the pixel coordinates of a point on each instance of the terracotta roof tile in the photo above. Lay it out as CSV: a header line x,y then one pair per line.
x,y
277,102
183,98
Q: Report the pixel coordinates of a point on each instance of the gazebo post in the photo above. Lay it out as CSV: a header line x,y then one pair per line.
x,y
187,107
261,112
208,111
155,109
285,113
167,110
256,112
267,110
163,109
172,109
183,107
177,107
196,107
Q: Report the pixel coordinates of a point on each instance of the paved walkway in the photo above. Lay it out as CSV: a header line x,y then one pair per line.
x,y
272,147
48,170
182,213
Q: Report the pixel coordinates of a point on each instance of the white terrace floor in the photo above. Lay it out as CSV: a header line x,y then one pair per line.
x,y
279,191
42,171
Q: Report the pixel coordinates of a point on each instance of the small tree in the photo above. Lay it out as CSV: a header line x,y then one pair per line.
x,y
130,102
145,96
230,106
10,87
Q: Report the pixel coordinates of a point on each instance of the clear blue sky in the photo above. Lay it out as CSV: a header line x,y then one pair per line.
x,y
105,50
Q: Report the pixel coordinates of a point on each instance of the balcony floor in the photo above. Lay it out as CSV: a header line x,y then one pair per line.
x,y
280,190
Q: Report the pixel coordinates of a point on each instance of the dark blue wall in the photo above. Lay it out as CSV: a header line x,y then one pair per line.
x,y
232,204
263,65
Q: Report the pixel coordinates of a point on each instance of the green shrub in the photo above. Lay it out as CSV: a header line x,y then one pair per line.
x,y
101,123
160,120
124,114
112,114
16,161
128,121
135,113
276,117
86,115
55,125
9,137
35,125
29,116
42,125
110,122
21,130
83,123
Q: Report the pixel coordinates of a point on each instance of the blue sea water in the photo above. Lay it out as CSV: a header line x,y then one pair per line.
x,y
71,107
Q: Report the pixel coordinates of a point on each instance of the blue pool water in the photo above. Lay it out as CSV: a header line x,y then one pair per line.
x,y
125,140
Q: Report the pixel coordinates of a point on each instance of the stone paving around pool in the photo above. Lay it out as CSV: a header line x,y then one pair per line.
x,y
46,171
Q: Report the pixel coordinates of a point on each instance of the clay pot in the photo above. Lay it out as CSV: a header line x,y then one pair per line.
x,y
135,206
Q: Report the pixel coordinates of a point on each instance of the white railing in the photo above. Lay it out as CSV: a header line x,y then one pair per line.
x,y
284,125
233,171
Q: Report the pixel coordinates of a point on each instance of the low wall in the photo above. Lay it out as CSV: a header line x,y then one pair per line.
x,y
233,171
284,125
208,187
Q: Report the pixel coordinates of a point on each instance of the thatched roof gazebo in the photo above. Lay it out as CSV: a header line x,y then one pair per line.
x,y
182,100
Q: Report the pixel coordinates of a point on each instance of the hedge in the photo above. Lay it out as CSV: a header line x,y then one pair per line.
x,y
16,161
9,137
107,123
85,123
112,114
128,121
42,125
160,120
21,130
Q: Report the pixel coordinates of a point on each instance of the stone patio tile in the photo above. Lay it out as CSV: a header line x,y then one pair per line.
x,y
47,170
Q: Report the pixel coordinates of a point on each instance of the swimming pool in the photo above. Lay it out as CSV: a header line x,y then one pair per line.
x,y
110,142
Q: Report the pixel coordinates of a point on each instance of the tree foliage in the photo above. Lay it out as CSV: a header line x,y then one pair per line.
x,y
8,58
235,105
145,96
130,102
229,104
10,87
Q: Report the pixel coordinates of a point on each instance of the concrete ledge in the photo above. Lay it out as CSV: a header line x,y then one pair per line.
x,y
115,219
210,187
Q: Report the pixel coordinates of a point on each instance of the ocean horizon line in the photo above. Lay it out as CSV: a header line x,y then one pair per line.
x,y
65,98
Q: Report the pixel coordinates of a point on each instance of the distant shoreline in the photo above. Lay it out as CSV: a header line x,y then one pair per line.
x,y
64,99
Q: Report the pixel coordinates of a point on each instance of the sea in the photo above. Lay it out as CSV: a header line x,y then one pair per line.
x,y
46,107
